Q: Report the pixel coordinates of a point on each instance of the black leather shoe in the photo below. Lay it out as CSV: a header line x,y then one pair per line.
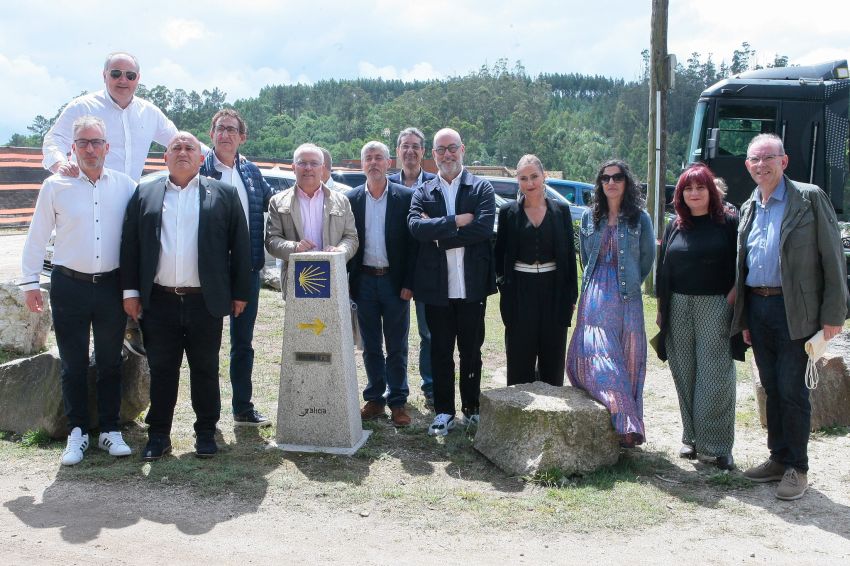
x,y
725,462
688,451
205,447
157,446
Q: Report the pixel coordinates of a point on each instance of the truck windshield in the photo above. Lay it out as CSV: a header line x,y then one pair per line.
x,y
698,133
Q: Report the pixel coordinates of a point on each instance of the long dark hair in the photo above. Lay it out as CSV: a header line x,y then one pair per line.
x,y
699,174
632,198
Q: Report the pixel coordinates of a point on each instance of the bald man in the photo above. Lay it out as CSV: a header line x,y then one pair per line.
x,y
184,268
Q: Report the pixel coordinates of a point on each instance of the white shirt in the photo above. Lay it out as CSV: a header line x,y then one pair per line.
x,y
178,250
88,219
454,256
231,176
129,131
375,248
335,186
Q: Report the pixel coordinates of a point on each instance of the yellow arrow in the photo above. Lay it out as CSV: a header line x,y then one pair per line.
x,y
317,326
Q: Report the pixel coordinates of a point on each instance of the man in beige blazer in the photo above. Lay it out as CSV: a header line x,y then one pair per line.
x,y
309,216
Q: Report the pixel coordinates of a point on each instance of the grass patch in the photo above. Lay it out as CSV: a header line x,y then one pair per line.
x,y
832,431
35,438
730,481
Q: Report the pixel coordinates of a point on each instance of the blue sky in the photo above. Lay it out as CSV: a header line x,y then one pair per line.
x,y
50,51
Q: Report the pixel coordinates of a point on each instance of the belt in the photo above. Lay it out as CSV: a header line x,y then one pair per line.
x,y
90,277
177,290
535,267
376,271
765,291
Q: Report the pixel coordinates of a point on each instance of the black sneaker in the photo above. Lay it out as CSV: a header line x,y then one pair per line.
x,y
251,418
205,447
157,446
133,338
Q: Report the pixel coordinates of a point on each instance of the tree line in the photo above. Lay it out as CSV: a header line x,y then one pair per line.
x,y
573,122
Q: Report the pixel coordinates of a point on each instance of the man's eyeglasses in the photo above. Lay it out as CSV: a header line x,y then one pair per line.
x,y
442,150
116,74
83,143
756,159
308,164
407,146
229,129
616,177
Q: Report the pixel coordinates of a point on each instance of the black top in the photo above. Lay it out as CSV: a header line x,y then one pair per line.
x,y
536,244
701,259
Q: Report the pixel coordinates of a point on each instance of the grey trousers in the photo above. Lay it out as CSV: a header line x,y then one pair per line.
x,y
703,371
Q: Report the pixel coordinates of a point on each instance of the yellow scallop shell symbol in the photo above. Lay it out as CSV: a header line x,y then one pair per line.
x,y
312,279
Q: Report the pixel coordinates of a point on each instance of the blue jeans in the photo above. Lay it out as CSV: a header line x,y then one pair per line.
x,y
384,317
77,307
241,351
781,363
424,351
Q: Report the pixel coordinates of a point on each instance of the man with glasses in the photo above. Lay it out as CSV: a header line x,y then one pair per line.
x,y
309,216
381,283
791,283
85,290
227,132
410,149
184,267
132,123
452,217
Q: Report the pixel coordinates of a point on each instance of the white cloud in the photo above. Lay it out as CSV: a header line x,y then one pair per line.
x,y
32,90
177,33
422,71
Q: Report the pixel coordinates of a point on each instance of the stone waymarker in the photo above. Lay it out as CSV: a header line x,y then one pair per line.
x,y
831,399
31,394
318,406
535,426
21,330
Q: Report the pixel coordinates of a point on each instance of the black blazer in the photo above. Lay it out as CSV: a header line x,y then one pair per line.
x,y
507,238
439,233
224,261
401,247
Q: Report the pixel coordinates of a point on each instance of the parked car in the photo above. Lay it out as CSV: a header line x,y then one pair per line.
x,y
510,186
351,178
576,192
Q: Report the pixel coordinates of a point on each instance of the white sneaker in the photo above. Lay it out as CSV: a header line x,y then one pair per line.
x,y
471,420
114,443
78,443
442,424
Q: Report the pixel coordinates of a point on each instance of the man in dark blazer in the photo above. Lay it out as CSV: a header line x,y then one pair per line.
x,y
410,149
452,218
381,283
183,269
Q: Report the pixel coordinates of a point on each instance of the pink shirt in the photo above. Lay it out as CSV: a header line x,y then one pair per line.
x,y
311,215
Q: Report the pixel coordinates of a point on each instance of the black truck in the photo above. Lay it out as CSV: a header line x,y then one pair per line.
x,y
806,106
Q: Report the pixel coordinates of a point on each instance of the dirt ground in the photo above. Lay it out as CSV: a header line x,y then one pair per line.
x,y
419,503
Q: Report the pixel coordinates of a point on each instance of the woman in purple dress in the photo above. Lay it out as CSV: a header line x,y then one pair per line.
x,y
607,353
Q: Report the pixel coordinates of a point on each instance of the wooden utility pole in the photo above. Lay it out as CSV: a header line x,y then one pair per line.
x,y
659,83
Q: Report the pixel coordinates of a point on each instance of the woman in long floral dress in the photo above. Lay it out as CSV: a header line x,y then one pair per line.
x,y
607,352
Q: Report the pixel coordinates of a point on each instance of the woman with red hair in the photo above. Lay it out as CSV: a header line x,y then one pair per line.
x,y
696,281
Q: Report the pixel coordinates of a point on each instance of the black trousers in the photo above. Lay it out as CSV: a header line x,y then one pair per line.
x,y
79,307
535,337
461,322
172,325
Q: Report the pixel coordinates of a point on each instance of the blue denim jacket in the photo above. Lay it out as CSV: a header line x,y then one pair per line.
x,y
636,251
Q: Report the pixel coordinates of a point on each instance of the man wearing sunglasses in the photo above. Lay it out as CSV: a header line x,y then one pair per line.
x,y
85,290
452,216
132,123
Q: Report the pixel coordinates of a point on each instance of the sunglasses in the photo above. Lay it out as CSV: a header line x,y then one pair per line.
x,y
116,74
83,143
616,177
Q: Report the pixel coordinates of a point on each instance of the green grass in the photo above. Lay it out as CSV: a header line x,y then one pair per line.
x,y
35,439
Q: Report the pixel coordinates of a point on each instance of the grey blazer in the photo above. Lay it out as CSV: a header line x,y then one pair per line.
x,y
811,260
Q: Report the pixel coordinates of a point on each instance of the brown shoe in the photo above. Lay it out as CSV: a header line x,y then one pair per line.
x,y
400,416
372,410
793,485
765,472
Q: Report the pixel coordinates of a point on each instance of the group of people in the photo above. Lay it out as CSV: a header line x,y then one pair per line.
x,y
180,253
